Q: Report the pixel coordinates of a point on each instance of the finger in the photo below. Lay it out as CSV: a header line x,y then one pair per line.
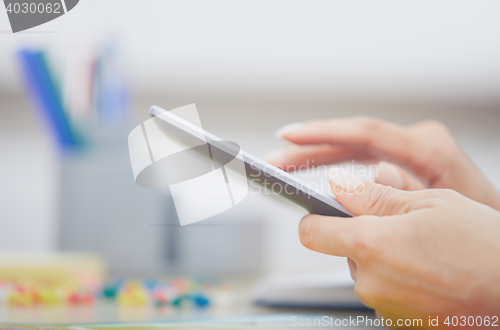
x,y
386,139
329,235
294,157
394,176
364,197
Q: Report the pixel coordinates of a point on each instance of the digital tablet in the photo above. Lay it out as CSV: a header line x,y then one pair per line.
x,y
257,170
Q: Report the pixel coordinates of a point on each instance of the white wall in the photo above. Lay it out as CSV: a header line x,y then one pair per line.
x,y
28,171
342,49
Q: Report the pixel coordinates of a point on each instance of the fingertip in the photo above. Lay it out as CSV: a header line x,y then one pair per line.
x,y
274,157
342,180
345,186
305,225
307,229
389,175
336,189
286,130
324,234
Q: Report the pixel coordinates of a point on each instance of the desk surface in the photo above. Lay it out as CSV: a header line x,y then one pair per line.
x,y
241,307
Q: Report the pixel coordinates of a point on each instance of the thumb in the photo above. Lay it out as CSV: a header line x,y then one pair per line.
x,y
363,197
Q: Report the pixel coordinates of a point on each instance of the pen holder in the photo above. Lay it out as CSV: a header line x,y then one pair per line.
x,y
136,229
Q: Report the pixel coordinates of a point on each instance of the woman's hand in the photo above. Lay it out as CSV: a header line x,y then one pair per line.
x,y
413,254
427,150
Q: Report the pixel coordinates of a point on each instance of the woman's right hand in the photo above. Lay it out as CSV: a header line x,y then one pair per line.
x,y
423,155
420,254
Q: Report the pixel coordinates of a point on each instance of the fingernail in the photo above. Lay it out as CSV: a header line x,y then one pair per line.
x,y
345,180
388,175
280,132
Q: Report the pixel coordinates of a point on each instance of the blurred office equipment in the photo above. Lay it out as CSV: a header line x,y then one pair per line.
x,y
47,97
332,289
52,267
136,229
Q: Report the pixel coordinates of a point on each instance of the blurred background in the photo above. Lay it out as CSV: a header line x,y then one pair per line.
x,y
250,67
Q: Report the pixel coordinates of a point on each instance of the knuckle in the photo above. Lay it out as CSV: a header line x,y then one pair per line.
x,y
441,134
379,200
367,129
365,247
436,197
363,243
369,123
435,193
436,125
435,130
362,249
446,194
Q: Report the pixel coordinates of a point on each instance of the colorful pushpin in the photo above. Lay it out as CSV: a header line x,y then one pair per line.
x,y
201,301
160,297
83,298
50,296
133,294
177,302
151,284
110,291
21,297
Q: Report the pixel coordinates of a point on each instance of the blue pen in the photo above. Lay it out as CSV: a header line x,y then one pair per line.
x,y
44,89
